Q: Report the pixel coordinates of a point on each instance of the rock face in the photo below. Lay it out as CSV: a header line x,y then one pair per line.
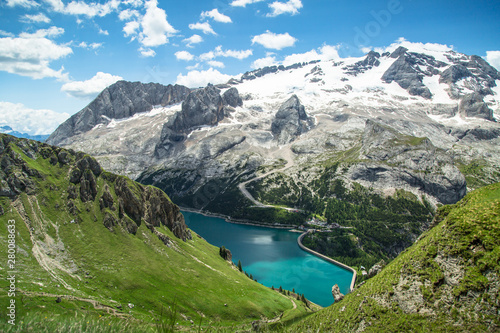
x,y
454,73
132,205
120,100
473,105
404,72
203,107
337,295
290,121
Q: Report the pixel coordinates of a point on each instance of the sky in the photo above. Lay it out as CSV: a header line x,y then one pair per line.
x,y
57,56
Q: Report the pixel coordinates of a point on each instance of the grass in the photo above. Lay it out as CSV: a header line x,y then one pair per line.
x,y
115,280
466,234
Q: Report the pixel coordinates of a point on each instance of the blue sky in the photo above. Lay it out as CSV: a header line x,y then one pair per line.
x,y
56,56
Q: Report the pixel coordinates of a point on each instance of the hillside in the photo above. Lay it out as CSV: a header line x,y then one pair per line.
x,y
94,249
373,143
448,281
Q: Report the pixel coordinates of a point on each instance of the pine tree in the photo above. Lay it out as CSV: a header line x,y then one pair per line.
x,y
239,266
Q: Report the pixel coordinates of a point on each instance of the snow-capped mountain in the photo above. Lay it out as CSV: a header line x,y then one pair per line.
x,y
413,117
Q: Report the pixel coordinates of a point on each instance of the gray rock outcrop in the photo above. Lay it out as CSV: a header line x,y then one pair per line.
x,y
290,121
120,100
337,295
403,72
454,73
203,107
473,105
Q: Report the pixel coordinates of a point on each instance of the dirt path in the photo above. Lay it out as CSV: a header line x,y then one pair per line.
x,y
284,153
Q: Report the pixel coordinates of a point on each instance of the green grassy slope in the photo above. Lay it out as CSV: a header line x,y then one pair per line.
x,y
447,282
109,268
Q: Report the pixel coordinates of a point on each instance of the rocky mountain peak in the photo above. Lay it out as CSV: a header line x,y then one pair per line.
x,y
122,99
202,107
290,121
473,105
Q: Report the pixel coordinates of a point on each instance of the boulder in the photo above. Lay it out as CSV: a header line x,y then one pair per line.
x,y
337,295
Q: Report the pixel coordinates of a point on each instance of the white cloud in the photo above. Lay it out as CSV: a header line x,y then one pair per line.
x,y
42,33
147,52
324,53
93,46
421,47
243,54
269,60
195,79
290,7
22,3
127,14
31,56
243,3
90,88
184,55
103,32
194,39
270,40
131,28
133,3
217,64
214,14
39,18
6,33
207,56
26,120
205,27
493,57
155,27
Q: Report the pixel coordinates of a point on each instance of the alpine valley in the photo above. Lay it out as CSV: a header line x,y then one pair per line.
x,y
397,151
372,143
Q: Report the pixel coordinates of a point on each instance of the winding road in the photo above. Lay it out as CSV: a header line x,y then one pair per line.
x,y
284,153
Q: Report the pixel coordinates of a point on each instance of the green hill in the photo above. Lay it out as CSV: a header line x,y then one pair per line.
x,y
98,252
448,281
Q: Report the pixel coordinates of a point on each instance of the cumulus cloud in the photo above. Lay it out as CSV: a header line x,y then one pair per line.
x,y
195,79
31,55
22,3
39,18
26,120
127,14
324,53
412,46
147,52
207,56
205,27
215,63
194,39
184,55
243,54
269,60
131,28
6,33
91,46
82,8
243,3
90,88
290,7
270,40
216,16
155,27
51,32
493,57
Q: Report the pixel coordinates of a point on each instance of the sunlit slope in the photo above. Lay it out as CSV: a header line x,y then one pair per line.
x,y
447,282
107,246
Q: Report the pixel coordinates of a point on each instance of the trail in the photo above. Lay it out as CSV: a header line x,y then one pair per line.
x,y
284,153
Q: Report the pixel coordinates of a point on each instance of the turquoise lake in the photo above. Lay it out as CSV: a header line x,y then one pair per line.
x,y
273,257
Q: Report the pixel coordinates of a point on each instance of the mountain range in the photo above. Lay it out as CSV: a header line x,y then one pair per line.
x,y
373,142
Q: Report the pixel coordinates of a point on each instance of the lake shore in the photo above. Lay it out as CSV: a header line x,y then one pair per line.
x,y
291,229
330,260
229,219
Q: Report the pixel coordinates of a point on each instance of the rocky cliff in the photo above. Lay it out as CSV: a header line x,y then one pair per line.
x,y
121,100
448,280
124,203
